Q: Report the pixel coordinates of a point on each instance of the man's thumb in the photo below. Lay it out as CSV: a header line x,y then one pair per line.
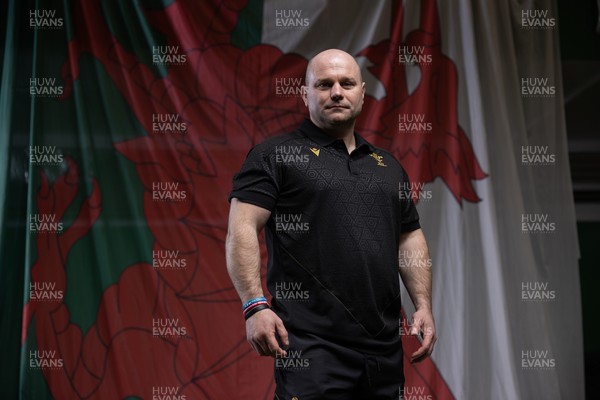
x,y
282,332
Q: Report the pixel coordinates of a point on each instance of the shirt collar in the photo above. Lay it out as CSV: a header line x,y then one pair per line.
x,y
316,134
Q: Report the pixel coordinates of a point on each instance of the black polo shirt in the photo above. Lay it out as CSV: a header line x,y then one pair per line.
x,y
333,234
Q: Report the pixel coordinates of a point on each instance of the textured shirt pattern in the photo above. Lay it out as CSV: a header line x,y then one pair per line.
x,y
333,234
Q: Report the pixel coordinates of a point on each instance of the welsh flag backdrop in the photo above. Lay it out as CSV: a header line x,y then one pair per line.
x,y
123,123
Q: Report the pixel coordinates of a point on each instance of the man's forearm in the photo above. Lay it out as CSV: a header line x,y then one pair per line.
x,y
243,261
415,268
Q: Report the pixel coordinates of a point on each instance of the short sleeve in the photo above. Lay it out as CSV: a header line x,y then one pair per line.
x,y
258,180
410,216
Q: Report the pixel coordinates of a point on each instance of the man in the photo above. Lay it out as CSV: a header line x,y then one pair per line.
x,y
338,230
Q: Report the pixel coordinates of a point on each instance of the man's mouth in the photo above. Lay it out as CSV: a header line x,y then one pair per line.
x,y
336,106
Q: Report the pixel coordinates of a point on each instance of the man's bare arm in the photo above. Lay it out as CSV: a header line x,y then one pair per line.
x,y
242,251
415,271
242,248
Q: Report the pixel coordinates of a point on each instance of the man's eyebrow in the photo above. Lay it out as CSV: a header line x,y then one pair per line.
x,y
329,80
323,80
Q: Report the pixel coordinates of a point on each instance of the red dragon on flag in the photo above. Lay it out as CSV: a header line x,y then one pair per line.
x,y
225,97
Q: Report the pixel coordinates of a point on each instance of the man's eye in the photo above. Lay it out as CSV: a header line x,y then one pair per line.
x,y
347,84
323,85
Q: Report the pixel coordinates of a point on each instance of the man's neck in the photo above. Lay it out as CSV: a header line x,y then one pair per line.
x,y
343,132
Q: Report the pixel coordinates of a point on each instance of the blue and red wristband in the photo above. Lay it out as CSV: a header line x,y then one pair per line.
x,y
253,301
253,306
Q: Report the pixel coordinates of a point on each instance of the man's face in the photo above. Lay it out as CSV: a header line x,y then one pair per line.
x,y
335,91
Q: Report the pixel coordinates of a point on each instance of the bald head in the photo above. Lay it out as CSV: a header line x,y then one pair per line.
x,y
334,92
330,56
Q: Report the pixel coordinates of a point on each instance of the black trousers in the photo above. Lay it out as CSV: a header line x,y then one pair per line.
x,y
316,369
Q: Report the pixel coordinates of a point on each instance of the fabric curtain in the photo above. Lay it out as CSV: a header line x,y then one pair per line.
x,y
124,122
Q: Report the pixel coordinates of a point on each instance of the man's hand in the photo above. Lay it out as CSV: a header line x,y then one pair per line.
x,y
262,330
424,325
415,271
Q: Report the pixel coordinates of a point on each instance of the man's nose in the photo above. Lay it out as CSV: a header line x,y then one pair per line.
x,y
336,92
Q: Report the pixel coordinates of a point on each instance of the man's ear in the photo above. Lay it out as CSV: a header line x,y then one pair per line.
x,y
363,91
304,95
